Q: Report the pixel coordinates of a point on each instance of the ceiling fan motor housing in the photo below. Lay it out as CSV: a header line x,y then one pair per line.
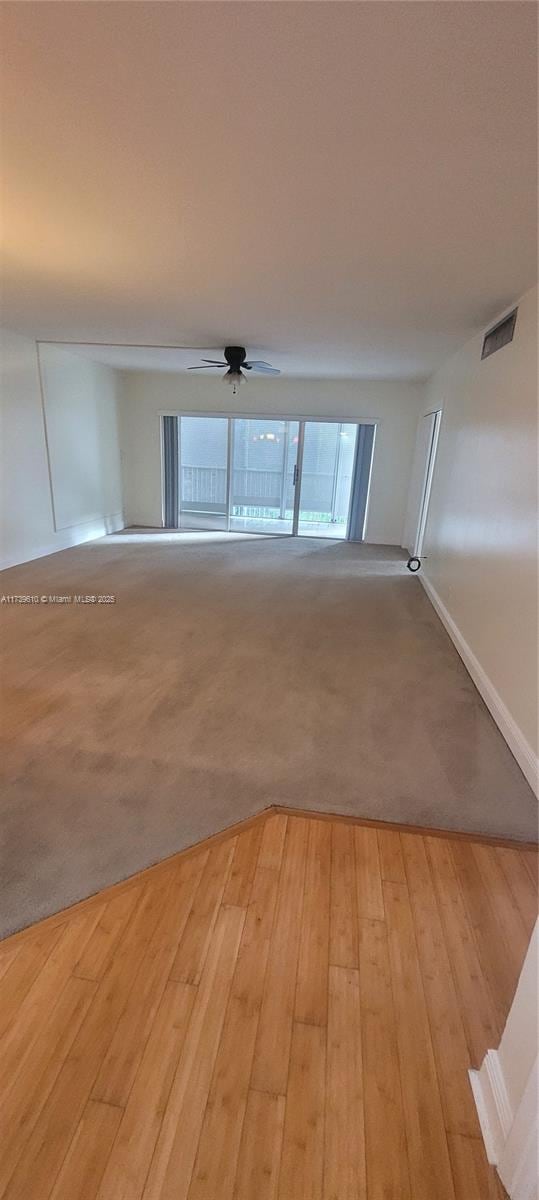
x,y
235,357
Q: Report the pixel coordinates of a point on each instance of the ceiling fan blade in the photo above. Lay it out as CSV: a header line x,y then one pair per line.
x,y
262,367
206,367
215,362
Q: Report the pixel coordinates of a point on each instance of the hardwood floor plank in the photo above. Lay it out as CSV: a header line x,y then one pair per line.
x,y
16,1045
386,1155
124,1054
260,1151
272,1050
522,889
503,902
87,1156
216,1162
172,1164
501,963
530,859
425,1133
474,1178
127,1168
22,973
7,958
95,957
242,870
370,898
311,1003
343,941
302,1161
391,860
51,1137
193,947
479,1012
344,1166
270,857
40,1066
443,1007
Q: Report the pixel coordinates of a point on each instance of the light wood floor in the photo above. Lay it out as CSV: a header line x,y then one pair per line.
x,y
289,1012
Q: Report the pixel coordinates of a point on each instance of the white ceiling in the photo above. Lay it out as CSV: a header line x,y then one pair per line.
x,y
344,188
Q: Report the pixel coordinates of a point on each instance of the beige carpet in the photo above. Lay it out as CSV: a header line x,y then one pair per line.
x,y
230,674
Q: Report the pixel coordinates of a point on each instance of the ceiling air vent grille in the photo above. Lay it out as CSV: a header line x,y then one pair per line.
x,y
500,335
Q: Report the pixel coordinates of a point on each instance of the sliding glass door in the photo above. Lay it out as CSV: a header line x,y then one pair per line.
x,y
203,474
327,472
264,469
267,475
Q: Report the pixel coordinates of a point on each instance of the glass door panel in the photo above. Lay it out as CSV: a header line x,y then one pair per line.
x,y
203,483
326,478
264,471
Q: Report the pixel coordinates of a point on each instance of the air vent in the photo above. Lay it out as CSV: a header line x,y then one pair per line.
x,y
500,335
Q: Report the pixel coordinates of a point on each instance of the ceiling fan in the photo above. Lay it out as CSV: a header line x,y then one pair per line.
x,y
236,362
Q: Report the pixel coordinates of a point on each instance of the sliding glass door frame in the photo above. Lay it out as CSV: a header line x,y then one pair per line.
x,y
302,421
230,472
297,480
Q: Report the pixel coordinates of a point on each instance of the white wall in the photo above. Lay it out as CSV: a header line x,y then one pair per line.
x,y
394,406
480,547
80,400
518,1048
60,463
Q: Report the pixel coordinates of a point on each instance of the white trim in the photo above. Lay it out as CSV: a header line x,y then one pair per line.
x,y
269,416
74,536
162,466
368,497
492,1104
526,757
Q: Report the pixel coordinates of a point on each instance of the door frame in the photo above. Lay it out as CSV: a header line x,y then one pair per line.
x,y
297,481
428,477
302,421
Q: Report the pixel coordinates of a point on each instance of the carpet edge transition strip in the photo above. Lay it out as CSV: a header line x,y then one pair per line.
x,y
231,831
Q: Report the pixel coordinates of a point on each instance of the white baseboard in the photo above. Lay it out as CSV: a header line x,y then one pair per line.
x,y
519,1165
518,744
74,536
511,1139
492,1104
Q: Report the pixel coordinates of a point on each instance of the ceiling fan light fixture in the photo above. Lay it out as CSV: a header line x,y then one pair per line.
x,y
233,377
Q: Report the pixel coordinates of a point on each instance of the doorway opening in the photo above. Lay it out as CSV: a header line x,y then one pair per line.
x,y
267,475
